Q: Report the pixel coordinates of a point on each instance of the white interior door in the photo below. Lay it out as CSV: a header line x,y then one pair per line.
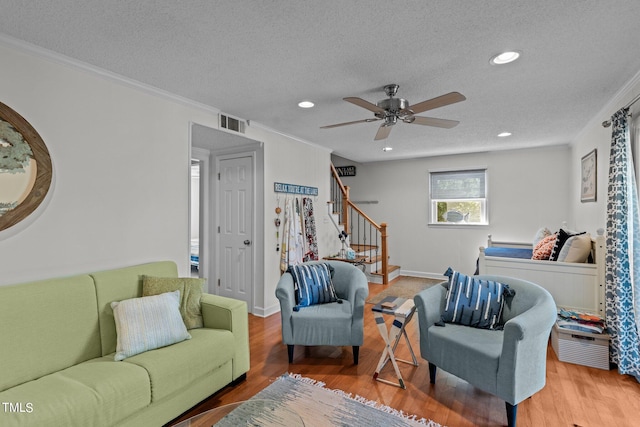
x,y
235,211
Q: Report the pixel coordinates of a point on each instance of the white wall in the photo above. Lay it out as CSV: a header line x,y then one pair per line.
x,y
291,162
122,170
527,189
120,160
593,215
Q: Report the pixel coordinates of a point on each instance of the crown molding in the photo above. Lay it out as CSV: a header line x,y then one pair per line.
x,y
257,125
619,100
58,58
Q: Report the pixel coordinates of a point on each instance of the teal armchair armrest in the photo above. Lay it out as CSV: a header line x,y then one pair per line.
x,y
232,315
522,369
286,295
429,304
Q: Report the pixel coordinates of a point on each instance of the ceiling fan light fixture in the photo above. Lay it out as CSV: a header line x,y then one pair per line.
x,y
306,104
393,110
504,57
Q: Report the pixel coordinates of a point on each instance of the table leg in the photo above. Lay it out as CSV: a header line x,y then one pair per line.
x,y
388,337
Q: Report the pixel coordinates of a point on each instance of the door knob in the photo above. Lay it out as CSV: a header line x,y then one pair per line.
x,y
247,242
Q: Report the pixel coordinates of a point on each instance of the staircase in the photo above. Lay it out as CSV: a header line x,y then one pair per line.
x,y
367,238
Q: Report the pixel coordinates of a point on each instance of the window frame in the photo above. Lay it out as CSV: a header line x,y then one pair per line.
x,y
432,215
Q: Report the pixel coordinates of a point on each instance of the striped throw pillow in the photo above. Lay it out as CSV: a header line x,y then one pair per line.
x,y
313,284
475,302
148,323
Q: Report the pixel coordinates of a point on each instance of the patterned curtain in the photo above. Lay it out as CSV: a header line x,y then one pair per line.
x,y
623,252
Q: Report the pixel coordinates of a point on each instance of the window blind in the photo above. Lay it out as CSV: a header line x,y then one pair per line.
x,y
468,184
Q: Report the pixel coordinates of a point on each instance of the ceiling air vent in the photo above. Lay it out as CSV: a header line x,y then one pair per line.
x,y
232,124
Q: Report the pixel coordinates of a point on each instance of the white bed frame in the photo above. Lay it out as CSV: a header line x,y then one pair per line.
x,y
577,286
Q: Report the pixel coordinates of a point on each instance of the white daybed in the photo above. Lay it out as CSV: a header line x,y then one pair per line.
x,y
577,286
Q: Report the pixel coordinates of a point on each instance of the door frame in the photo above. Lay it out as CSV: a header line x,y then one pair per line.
x,y
256,305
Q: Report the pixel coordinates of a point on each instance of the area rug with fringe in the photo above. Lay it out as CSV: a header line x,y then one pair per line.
x,y
317,406
405,287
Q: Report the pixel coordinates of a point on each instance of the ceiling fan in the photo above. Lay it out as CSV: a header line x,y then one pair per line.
x,y
392,110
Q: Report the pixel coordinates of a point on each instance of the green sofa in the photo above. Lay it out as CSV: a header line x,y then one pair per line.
x,y
57,346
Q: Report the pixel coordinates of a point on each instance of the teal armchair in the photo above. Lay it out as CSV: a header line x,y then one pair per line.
x,y
335,324
509,363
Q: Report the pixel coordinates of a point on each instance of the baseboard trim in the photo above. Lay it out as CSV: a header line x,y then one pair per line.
x,y
424,274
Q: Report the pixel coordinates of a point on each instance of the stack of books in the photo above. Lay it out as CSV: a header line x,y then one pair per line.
x,y
580,321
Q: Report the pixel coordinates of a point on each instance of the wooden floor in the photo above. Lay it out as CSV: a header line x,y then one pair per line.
x,y
573,396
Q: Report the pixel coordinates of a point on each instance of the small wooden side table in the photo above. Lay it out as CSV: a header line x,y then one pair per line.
x,y
403,310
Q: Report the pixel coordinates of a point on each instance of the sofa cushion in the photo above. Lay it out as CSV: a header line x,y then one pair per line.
x,y
540,234
93,393
46,326
474,302
120,284
148,323
175,367
313,284
576,249
324,324
543,249
466,350
563,236
190,293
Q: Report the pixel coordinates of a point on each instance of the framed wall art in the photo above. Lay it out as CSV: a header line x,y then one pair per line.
x,y
25,168
588,181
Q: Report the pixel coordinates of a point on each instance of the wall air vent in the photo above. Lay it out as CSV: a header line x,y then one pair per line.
x,y
231,124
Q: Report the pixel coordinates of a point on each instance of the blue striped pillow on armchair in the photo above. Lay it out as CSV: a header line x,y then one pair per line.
x,y
313,284
475,302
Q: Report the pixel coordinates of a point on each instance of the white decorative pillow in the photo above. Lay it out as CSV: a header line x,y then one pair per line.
x,y
576,249
541,234
147,323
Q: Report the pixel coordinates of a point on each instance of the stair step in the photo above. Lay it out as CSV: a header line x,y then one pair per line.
x,y
392,268
377,278
372,260
358,247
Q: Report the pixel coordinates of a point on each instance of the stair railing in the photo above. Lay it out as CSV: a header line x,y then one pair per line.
x,y
365,235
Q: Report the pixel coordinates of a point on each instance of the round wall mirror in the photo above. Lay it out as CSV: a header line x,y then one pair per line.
x,y
25,168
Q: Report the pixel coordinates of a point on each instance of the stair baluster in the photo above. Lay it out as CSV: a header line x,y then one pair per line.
x,y
351,217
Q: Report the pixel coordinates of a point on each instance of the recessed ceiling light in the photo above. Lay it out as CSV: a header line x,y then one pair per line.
x,y
505,58
387,149
504,134
306,104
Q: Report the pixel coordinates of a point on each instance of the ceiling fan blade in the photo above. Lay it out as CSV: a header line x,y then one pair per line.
x,y
348,123
364,104
440,101
383,132
430,121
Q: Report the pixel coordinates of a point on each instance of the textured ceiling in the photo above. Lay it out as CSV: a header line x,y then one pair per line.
x,y
257,59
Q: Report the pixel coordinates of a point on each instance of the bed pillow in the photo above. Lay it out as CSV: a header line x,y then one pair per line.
x,y
576,248
544,248
190,293
563,236
312,284
541,234
147,323
475,302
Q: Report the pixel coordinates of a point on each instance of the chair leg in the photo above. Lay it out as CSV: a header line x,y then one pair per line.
x,y
290,352
432,373
356,353
512,411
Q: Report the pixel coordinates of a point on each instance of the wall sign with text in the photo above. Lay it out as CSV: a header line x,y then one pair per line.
x,y
346,170
280,187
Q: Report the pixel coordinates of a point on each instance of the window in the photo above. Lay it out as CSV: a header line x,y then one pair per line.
x,y
458,197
